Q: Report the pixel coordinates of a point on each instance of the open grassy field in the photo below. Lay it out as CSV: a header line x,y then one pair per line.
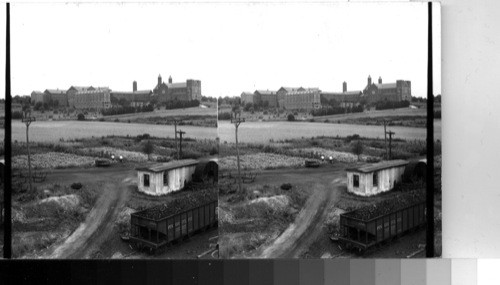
x,y
263,132
54,131
83,152
400,112
193,111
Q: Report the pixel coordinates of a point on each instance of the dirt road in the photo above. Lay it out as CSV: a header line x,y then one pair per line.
x,y
99,223
309,223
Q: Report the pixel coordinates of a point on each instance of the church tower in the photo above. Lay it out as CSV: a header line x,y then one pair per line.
x,y
159,79
170,79
369,80
344,87
379,80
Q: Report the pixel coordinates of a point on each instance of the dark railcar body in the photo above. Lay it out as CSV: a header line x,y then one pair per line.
x,y
158,233
363,234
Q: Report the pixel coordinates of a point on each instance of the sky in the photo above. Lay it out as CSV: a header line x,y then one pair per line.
x,y
231,48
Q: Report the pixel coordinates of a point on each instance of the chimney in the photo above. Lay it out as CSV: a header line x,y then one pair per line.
x,y
344,87
369,80
379,80
134,86
159,80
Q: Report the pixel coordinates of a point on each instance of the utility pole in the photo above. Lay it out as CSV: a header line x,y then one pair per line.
x,y
237,120
390,133
385,138
181,133
27,120
175,138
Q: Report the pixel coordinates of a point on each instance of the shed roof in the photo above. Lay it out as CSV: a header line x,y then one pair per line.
x,y
160,167
367,168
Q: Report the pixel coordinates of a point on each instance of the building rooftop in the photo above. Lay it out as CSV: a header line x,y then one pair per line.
x,y
81,88
292,89
265,92
367,168
385,85
56,91
160,167
177,85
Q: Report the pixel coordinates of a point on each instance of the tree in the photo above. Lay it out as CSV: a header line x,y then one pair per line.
x,y
81,117
148,148
38,105
291,117
357,148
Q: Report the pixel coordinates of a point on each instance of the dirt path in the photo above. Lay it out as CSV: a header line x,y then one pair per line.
x,y
307,226
100,221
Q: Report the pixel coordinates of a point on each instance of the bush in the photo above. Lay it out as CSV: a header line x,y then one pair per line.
x,y
81,117
76,186
290,117
384,105
357,148
224,116
17,115
286,186
214,150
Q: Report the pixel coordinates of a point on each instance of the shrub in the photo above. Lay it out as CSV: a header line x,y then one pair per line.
x,y
286,186
17,115
214,150
224,116
76,186
148,148
357,148
291,117
81,117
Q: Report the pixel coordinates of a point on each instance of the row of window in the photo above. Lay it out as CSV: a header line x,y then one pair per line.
x,y
356,179
165,179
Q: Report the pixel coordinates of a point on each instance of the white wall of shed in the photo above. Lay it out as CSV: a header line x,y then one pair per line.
x,y
176,180
386,179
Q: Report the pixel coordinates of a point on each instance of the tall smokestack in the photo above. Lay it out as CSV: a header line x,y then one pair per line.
x,y
134,86
344,87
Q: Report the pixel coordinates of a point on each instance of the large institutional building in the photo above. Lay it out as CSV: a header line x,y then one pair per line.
x,y
182,91
289,98
89,97
292,98
373,92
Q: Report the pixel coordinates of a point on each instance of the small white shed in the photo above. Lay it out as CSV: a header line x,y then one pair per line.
x,y
164,178
372,179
